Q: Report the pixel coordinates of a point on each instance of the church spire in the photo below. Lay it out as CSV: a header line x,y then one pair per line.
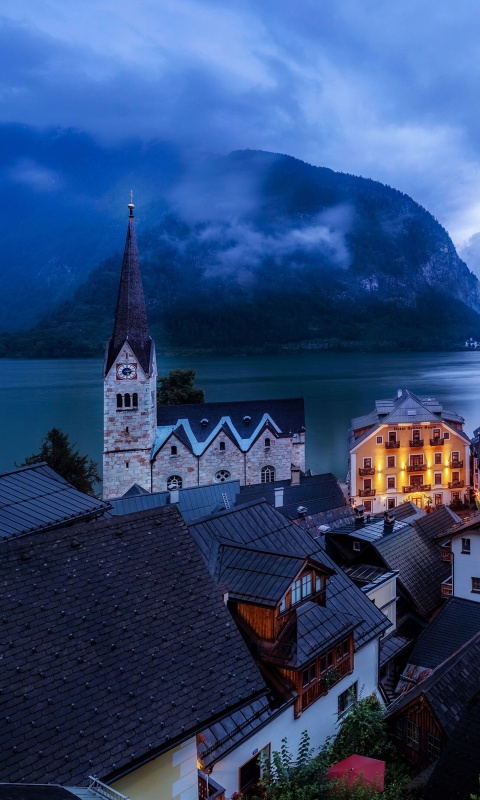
x,y
130,316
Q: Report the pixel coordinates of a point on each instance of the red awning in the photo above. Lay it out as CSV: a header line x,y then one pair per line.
x,y
359,769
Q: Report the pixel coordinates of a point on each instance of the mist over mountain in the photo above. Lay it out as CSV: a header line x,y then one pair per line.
x,y
250,250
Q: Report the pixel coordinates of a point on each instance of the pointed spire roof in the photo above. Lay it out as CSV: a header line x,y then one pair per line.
x,y
130,316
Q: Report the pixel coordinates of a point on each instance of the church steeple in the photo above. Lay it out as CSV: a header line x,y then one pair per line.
x,y
130,316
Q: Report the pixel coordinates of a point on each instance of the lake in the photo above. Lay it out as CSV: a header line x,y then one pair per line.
x,y
38,395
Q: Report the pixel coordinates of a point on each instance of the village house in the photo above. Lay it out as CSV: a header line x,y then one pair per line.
x,y
173,447
460,548
408,448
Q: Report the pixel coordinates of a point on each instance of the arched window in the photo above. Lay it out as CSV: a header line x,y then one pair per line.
x,y
173,450
221,446
127,400
222,476
267,442
119,401
267,474
135,400
174,482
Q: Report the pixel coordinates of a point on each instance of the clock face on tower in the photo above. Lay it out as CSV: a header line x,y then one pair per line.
x,y
126,372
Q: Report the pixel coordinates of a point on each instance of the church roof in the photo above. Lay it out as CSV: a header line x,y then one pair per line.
x,y
130,316
197,424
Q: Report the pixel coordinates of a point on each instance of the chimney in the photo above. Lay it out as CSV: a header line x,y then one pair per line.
x,y
388,523
279,497
302,512
174,496
359,518
295,476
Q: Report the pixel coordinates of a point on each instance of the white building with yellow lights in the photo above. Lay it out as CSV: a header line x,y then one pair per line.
x,y
408,448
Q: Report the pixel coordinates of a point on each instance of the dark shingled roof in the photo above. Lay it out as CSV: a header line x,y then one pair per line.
x,y
417,559
117,646
195,502
456,775
316,627
448,688
255,575
18,791
438,522
258,524
391,645
130,316
454,625
316,493
288,415
36,498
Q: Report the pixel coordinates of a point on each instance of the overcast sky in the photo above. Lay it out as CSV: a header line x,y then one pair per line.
x,y
387,89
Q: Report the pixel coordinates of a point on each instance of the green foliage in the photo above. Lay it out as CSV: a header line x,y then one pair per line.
x,y
284,778
362,731
61,456
177,388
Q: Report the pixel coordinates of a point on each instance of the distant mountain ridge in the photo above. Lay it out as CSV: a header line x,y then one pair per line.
x,y
258,250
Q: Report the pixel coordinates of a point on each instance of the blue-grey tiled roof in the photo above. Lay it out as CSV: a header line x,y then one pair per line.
x,y
316,493
243,421
193,503
454,625
36,498
258,524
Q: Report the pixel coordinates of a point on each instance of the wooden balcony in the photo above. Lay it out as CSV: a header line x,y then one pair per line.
x,y
416,443
446,553
366,471
456,484
446,588
367,492
416,467
391,445
455,464
424,487
329,679
208,789
437,441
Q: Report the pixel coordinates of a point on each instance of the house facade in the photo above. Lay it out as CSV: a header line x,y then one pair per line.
x,y
171,447
408,448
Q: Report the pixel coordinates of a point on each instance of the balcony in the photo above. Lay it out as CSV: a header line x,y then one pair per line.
x,y
367,492
416,467
208,789
416,443
456,484
446,588
424,487
455,464
446,553
391,445
366,471
322,687
437,441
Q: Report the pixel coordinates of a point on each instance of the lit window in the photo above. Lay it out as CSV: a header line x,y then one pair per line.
x,y
267,474
466,546
438,458
222,475
391,462
391,482
455,457
174,482
367,463
347,698
438,478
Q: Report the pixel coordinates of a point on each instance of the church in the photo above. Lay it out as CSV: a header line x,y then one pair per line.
x,y
180,446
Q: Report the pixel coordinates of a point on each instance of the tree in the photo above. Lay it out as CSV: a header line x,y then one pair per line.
x,y
61,456
177,388
363,731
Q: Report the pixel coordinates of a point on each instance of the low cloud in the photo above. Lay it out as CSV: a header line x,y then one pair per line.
x,y
34,175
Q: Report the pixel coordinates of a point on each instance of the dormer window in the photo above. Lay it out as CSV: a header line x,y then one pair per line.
x,y
310,584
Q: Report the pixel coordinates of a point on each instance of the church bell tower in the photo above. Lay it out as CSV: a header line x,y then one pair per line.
x,y
130,383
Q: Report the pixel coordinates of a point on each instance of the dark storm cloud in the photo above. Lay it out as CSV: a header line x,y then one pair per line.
x,y
385,90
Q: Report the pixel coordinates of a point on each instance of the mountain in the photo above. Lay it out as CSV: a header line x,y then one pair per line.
x,y
257,250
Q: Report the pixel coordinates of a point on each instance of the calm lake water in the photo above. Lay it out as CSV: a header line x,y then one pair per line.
x,y
38,395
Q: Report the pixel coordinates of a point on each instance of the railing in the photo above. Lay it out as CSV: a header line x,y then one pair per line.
x,y
97,787
416,467
366,471
455,464
424,487
208,789
392,445
329,679
446,553
456,484
367,492
416,443
437,441
446,588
